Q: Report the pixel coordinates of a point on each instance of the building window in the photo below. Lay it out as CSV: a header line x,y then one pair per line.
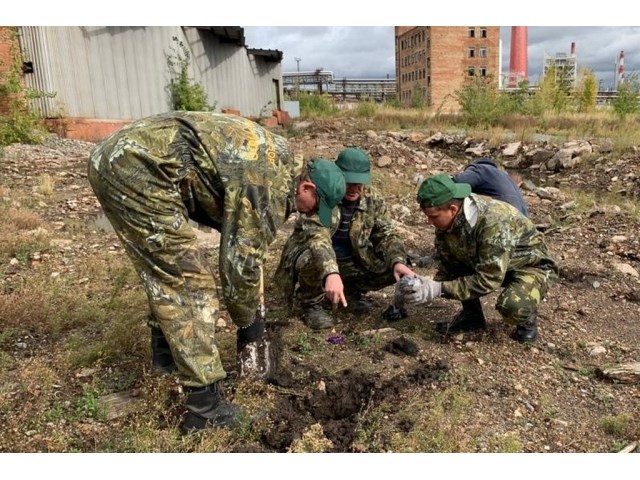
x,y
483,71
472,52
483,32
472,32
483,52
471,71
429,80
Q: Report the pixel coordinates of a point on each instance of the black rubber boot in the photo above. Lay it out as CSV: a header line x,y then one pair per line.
x,y
162,360
359,303
527,332
316,317
469,319
207,408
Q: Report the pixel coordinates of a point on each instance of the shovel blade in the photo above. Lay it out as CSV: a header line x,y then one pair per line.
x,y
256,360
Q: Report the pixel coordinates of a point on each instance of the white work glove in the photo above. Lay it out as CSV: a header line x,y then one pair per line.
x,y
417,290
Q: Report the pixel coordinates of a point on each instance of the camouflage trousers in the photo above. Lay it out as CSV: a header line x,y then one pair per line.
x,y
355,278
523,291
178,282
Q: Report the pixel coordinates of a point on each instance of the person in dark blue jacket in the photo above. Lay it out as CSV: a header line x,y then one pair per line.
x,y
486,178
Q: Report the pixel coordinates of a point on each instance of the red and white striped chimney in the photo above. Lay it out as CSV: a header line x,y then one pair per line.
x,y
573,49
518,56
621,68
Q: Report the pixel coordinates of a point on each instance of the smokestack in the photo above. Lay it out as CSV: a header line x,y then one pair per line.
x,y
518,56
621,68
573,49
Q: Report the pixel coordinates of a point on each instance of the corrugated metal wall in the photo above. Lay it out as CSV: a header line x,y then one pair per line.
x,y
121,73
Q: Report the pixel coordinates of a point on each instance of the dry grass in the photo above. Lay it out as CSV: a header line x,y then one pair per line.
x,y
596,125
45,185
589,201
22,219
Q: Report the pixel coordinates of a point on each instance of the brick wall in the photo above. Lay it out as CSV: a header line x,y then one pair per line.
x,y
443,69
7,40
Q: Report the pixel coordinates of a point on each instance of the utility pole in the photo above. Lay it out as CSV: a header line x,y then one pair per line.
x,y
297,59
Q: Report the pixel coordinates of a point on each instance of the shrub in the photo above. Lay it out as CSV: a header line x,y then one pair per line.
x,y
184,92
481,102
317,104
21,123
627,102
366,109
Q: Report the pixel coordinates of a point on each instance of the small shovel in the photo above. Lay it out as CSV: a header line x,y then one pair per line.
x,y
257,360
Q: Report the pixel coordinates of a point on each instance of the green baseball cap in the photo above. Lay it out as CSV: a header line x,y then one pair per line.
x,y
355,164
439,189
330,186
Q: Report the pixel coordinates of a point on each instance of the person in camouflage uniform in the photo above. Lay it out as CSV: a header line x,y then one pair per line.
x,y
486,178
361,253
228,173
482,244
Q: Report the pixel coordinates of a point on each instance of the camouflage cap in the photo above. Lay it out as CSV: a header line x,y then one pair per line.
x,y
355,164
439,189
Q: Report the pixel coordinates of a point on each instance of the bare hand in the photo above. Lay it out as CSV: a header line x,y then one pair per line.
x,y
400,270
334,290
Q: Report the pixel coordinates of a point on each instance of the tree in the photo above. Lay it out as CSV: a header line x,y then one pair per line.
x,y
587,91
627,102
553,92
481,102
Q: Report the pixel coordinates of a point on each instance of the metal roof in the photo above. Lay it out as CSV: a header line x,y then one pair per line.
x,y
269,55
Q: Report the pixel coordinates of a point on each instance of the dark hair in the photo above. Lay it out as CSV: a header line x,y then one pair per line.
x,y
445,205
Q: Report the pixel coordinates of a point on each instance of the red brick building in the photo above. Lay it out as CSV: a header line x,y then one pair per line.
x,y
433,62
8,45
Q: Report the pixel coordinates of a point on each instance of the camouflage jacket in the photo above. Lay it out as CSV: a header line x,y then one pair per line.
x,y
229,172
376,245
496,241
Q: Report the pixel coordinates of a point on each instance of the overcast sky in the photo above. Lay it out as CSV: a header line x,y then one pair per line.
x,y
355,49
368,52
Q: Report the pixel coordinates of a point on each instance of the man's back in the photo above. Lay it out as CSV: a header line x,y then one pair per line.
x,y
487,179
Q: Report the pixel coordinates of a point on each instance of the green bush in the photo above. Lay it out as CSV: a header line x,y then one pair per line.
x,y
586,92
317,105
184,92
21,123
366,109
482,103
418,99
627,102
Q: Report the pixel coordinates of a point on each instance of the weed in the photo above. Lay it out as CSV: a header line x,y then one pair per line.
x,y
616,425
20,122
552,413
302,345
317,105
617,445
87,406
366,109
508,443
45,185
435,423
184,92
